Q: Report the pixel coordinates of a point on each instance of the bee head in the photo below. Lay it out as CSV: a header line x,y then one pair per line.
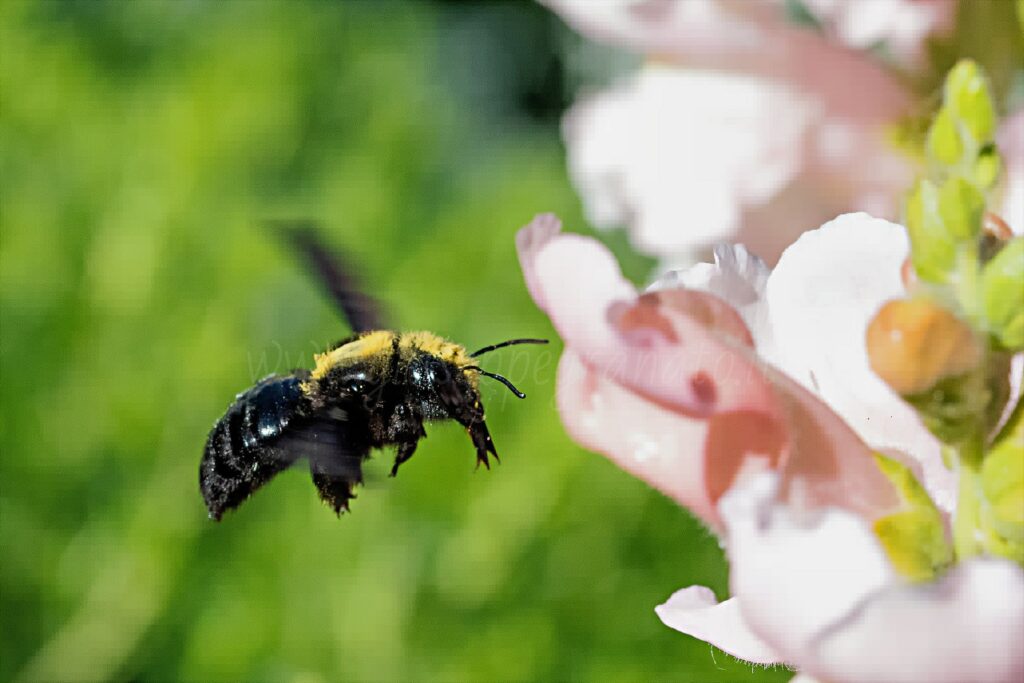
x,y
450,380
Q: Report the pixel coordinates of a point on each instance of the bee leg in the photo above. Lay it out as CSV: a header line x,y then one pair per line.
x,y
405,451
406,429
482,441
480,436
470,414
335,487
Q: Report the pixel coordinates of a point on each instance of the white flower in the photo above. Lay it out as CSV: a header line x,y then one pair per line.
x,y
818,592
720,31
756,409
754,130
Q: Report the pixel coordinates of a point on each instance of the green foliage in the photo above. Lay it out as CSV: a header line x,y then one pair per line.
x,y
1002,282
142,145
915,537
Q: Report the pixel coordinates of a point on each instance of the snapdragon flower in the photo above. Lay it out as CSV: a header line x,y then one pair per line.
x,y
674,387
724,33
849,423
742,125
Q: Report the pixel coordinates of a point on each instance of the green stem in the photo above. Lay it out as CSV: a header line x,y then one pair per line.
x,y
967,539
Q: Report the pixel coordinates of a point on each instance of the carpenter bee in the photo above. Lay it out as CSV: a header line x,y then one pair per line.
x,y
373,389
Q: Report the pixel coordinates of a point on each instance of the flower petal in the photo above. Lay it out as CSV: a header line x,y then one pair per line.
x,y
529,243
666,385
796,574
653,443
648,344
902,25
684,29
678,153
967,626
821,296
803,678
737,276
751,38
689,157
695,612
1011,145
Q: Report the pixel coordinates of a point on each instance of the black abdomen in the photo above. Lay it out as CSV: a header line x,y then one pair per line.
x,y
240,454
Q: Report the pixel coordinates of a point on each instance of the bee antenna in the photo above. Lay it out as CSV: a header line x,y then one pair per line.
x,y
510,342
511,387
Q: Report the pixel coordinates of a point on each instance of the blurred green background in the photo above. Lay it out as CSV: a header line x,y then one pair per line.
x,y
142,145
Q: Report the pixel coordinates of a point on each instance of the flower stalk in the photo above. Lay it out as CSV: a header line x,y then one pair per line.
x,y
967,532
946,350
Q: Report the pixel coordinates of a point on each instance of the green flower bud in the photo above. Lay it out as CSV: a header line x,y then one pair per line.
x,y
961,206
967,94
987,167
914,538
1002,283
933,251
943,142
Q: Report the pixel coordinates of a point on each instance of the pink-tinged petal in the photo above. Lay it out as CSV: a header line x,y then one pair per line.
x,y
529,242
826,463
695,612
688,158
902,25
966,626
667,385
743,37
679,153
691,460
661,383
687,29
649,441
740,36
795,573
737,276
821,296
1011,146
661,348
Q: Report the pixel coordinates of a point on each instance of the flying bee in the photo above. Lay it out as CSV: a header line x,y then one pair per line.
x,y
372,390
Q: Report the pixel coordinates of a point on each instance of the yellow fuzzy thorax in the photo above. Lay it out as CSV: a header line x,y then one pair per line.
x,y
377,346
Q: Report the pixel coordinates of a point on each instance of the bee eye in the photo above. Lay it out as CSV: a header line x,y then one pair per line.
x,y
438,373
356,383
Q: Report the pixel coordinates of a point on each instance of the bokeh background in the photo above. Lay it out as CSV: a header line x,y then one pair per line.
x,y
143,143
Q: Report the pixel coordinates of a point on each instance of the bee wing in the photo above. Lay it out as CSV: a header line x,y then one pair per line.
x,y
336,447
362,311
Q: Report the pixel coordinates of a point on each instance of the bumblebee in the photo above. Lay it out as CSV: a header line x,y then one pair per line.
x,y
372,390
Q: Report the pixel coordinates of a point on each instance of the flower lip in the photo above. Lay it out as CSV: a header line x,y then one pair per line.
x,y
653,344
694,611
